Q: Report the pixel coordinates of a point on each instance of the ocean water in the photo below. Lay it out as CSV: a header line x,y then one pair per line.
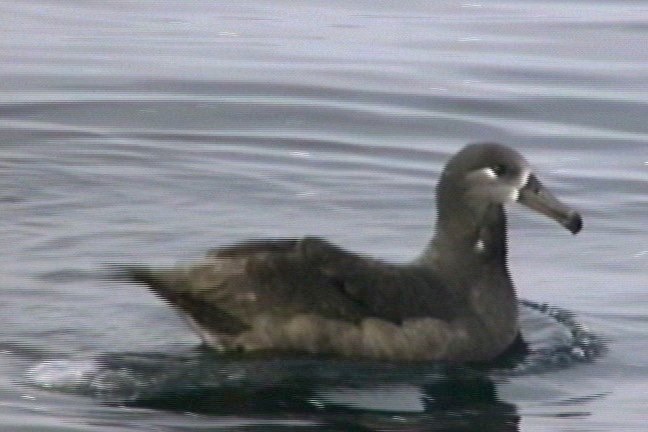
x,y
149,132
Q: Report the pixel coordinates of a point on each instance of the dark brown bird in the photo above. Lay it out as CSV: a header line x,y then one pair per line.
x,y
455,302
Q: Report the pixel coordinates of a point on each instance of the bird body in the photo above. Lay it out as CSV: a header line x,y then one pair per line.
x,y
455,302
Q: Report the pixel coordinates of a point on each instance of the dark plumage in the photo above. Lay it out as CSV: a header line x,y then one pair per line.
x,y
455,302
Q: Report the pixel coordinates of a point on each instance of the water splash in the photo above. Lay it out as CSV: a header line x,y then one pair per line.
x,y
579,346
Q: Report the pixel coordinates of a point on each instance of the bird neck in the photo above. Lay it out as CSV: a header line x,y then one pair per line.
x,y
468,235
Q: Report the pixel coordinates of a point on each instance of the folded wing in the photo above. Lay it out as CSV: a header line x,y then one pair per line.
x,y
283,278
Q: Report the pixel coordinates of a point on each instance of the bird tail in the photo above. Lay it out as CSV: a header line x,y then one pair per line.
x,y
158,281
173,288
142,275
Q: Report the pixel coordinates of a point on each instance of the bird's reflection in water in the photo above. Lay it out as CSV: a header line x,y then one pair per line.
x,y
347,396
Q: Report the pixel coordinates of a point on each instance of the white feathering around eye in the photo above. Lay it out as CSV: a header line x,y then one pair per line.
x,y
501,190
524,179
514,195
526,175
489,172
482,175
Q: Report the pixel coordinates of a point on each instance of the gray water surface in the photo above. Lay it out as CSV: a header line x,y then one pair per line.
x,y
149,132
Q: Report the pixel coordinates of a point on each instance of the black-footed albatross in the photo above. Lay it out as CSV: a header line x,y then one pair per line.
x,y
455,302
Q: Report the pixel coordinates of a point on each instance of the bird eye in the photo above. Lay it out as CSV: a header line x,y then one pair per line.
x,y
499,170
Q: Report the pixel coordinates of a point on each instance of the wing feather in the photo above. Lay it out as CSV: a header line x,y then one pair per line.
x,y
287,277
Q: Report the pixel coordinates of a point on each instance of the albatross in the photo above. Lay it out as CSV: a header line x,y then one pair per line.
x,y
455,302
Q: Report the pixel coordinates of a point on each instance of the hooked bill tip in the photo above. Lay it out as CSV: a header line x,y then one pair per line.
x,y
574,223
